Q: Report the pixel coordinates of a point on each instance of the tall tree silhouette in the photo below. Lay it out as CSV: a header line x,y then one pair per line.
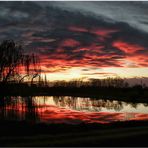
x,y
15,64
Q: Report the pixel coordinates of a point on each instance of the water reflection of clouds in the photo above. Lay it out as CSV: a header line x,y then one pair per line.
x,y
70,110
60,115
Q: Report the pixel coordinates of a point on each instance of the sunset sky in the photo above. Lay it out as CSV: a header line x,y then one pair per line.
x,y
81,39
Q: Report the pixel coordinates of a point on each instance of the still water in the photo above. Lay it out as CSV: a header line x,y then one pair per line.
x,y
71,110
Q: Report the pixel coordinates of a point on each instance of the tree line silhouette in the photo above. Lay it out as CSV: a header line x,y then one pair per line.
x,y
106,82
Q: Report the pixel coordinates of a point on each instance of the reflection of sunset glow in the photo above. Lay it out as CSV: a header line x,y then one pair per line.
x,y
72,110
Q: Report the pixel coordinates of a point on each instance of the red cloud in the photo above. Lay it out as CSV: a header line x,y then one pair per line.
x,y
139,59
78,29
100,50
127,47
103,31
93,55
70,43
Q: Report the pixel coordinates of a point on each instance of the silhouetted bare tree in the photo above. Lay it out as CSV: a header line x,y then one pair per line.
x,y
15,65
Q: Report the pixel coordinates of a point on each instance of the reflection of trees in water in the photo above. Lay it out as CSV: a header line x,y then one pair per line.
x,y
145,104
18,108
87,103
62,101
9,107
13,107
109,105
2,107
29,108
92,104
134,105
31,113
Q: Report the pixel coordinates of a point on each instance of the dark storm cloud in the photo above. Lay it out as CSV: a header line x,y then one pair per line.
x,y
100,34
129,12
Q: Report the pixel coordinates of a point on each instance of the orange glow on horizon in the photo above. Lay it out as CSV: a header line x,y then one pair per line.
x,y
78,73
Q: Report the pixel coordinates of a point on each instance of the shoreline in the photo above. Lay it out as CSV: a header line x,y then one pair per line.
x,y
120,94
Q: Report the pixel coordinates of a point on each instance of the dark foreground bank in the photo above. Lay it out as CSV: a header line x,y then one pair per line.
x,y
131,133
